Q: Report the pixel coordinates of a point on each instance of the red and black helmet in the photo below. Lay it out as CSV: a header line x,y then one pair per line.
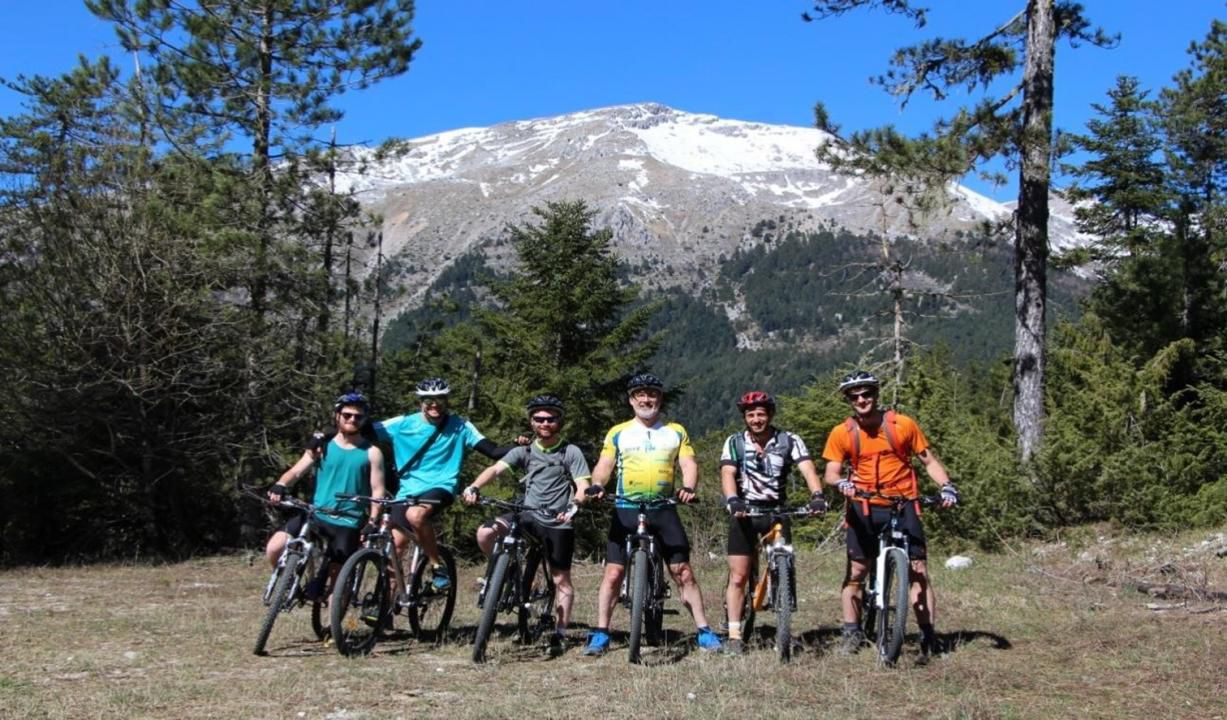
x,y
756,398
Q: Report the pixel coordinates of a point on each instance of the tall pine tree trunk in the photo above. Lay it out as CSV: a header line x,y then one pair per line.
x,y
1031,234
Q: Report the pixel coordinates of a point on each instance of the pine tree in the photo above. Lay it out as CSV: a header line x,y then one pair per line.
x,y
1016,123
1120,189
1195,110
567,324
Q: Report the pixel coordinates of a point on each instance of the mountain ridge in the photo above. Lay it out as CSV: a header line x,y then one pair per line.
x,y
680,192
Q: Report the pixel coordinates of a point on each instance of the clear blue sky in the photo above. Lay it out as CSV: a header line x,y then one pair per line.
x,y
489,62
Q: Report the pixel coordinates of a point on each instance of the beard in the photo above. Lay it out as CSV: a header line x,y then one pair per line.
x,y
647,413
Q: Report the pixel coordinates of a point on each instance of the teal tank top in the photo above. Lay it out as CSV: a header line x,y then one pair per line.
x,y
343,470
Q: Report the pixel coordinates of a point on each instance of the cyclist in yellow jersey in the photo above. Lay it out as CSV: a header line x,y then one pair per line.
x,y
640,454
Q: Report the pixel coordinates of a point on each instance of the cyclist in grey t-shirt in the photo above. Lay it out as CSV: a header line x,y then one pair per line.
x,y
555,472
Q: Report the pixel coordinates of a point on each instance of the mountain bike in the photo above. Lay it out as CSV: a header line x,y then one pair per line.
x,y
372,587
518,578
302,561
884,604
777,588
644,587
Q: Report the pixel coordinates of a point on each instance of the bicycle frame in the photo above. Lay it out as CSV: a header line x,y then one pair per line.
x,y
878,606
304,543
643,538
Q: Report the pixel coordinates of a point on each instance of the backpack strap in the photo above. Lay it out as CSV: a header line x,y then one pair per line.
x,y
421,450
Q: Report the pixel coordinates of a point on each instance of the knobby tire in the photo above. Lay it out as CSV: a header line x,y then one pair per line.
x,y
360,603
495,592
892,623
783,601
640,567
277,601
431,612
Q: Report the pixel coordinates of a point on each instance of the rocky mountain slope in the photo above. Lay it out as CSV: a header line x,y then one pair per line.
x,y
680,191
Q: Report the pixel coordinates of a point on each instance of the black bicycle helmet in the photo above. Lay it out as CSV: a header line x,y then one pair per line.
x,y
544,402
350,398
433,387
860,378
640,381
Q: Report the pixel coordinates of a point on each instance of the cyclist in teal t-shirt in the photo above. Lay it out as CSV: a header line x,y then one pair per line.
x,y
430,446
350,464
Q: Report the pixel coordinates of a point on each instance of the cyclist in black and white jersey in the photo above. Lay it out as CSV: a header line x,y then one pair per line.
x,y
754,468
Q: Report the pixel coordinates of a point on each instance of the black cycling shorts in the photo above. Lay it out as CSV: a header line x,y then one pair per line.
x,y
343,541
744,534
436,499
558,542
663,522
862,534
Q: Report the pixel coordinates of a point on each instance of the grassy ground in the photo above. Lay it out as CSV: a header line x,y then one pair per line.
x,y
1043,631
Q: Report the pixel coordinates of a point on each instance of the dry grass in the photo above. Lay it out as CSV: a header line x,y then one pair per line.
x,y
1058,630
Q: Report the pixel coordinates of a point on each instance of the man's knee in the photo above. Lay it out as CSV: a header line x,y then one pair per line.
x,y
682,573
857,570
613,573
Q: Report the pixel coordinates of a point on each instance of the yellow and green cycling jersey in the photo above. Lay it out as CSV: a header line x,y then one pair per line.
x,y
645,457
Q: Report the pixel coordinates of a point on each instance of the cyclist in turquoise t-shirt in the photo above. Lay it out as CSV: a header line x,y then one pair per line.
x,y
430,446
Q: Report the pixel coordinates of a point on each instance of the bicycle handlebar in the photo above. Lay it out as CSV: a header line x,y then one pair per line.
x,y
387,502
290,502
925,500
651,503
517,507
777,511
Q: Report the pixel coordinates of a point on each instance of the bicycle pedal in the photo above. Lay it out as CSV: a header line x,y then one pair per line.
x,y
670,611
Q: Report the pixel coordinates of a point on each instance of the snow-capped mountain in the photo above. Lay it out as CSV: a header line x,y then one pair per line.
x,y
678,189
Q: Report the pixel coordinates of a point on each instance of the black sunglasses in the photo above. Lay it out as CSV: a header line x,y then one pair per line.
x,y
545,419
858,394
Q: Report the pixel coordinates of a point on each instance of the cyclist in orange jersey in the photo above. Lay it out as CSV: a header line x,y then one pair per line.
x,y
879,444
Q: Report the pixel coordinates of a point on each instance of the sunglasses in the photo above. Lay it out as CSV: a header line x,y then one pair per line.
x,y
544,419
855,395
434,401
352,416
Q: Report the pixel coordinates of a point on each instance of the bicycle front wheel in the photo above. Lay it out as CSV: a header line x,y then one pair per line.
x,y
495,592
640,567
536,608
360,603
892,621
283,588
431,609
783,602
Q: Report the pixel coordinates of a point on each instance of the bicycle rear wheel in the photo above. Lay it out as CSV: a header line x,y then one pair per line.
x,y
360,603
283,589
495,592
892,621
536,607
640,567
431,610
783,602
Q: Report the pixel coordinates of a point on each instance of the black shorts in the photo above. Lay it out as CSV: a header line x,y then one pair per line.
x,y
558,542
343,541
862,534
663,522
744,533
436,499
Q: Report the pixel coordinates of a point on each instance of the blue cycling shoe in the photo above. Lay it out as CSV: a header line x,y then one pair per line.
x,y
598,643
709,641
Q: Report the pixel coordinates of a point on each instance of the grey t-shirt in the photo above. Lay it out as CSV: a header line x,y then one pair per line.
x,y
548,476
